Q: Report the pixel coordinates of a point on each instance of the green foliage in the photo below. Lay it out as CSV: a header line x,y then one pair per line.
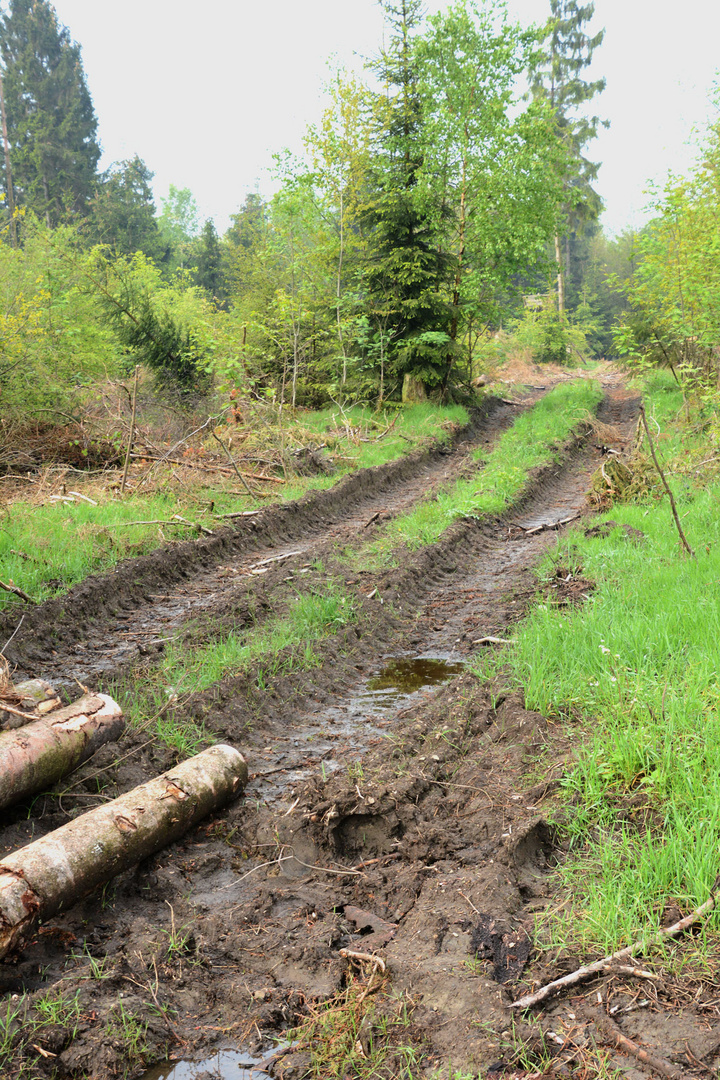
x,y
52,128
123,211
205,254
51,342
149,321
556,77
498,165
674,291
178,224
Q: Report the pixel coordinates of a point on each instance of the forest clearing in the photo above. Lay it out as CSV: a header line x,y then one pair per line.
x,y
359,570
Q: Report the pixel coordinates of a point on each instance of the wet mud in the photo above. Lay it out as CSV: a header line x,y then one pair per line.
x,y
397,807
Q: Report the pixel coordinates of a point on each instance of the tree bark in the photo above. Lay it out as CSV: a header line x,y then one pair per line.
x,y
36,756
560,279
53,873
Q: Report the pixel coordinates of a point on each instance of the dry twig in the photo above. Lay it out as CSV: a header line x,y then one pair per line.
x,y
609,1029
640,946
661,474
17,592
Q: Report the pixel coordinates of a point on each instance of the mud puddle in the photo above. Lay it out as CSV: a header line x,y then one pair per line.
x,y
362,719
223,1065
404,676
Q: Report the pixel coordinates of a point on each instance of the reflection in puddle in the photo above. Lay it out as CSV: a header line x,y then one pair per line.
x,y
223,1065
406,675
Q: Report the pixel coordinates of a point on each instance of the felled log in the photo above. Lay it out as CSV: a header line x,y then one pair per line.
x,y
53,873
26,701
36,756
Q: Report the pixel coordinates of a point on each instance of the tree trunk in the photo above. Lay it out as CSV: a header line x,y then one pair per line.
x,y
53,873
36,756
36,696
560,278
8,171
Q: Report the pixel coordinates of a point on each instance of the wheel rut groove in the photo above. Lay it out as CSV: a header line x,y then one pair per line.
x,y
84,635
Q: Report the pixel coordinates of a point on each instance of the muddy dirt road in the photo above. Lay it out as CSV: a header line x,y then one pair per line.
x,y
395,806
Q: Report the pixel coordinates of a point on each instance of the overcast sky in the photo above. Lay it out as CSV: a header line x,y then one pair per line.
x,y
206,92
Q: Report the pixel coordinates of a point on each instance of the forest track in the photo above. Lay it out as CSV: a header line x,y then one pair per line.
x,y
101,627
422,816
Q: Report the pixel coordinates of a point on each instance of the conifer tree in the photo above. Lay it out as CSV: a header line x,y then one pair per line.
x,y
406,268
123,211
567,51
51,123
208,272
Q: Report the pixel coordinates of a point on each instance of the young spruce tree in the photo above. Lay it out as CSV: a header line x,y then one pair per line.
x,y
407,271
51,123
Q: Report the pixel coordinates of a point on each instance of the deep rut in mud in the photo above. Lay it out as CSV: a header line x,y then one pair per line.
x,y
412,829
105,624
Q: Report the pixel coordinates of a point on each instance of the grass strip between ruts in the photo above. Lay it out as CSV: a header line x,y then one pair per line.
x,y
185,670
533,441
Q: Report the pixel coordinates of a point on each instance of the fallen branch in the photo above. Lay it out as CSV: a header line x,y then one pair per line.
x,y
53,873
17,592
34,757
229,456
176,519
494,641
609,1029
275,558
187,464
194,525
640,946
239,514
635,972
661,474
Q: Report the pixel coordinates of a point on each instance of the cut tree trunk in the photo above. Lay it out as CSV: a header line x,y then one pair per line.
x,y
53,873
36,756
33,696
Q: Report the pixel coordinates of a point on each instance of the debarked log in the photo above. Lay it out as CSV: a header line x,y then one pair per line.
x,y
36,756
53,873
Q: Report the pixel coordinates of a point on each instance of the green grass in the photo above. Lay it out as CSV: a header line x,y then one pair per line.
x,y
284,643
309,618
46,549
533,441
638,665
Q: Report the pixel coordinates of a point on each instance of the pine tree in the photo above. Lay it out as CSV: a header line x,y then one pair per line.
x,y
51,123
567,52
406,266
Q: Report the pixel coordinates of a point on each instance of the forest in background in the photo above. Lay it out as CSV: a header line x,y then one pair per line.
x,y
442,220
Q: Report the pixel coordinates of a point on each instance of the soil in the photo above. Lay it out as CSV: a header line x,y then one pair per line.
x,y
398,806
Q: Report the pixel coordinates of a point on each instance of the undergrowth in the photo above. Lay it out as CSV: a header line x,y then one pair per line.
x,y
636,667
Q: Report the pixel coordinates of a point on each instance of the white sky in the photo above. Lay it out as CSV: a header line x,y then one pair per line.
x,y
206,92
